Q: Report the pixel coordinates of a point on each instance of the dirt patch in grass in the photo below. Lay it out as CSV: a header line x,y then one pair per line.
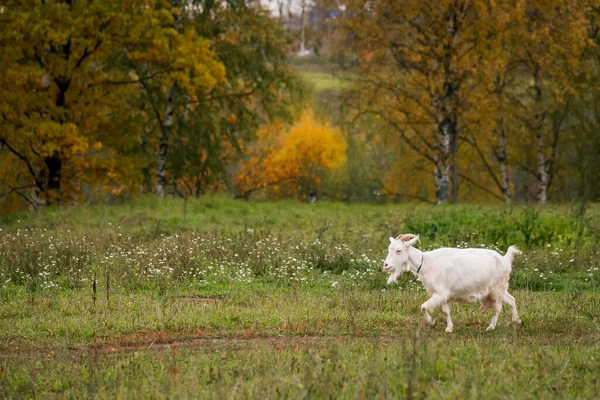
x,y
148,341
233,343
248,340
201,300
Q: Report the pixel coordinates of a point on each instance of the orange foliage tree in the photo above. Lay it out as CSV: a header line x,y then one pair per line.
x,y
290,162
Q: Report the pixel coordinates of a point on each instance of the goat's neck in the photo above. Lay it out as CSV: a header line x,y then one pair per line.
x,y
415,256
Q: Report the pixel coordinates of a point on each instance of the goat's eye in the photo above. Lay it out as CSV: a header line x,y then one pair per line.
x,y
398,251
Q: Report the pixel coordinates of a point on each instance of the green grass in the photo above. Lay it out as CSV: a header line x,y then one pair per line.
x,y
270,341
70,319
236,299
310,61
418,366
321,80
326,87
149,216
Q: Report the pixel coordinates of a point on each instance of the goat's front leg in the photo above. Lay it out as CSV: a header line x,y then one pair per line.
x,y
446,310
430,305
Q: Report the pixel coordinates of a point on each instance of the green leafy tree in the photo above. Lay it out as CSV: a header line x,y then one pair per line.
x,y
259,87
174,66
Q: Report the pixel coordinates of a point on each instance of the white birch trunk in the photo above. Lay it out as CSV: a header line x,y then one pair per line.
x,y
542,171
501,155
442,165
165,132
502,160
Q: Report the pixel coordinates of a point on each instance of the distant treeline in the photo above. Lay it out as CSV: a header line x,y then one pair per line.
x,y
109,99
447,101
475,100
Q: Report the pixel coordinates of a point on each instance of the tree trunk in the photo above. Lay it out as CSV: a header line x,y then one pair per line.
x,y
540,136
448,127
501,154
165,132
166,125
146,185
542,174
54,165
443,161
302,29
441,184
38,199
453,154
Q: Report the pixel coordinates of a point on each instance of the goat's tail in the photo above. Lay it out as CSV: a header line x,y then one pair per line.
x,y
511,253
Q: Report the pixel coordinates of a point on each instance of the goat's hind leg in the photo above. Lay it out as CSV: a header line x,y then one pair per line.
x,y
508,299
446,310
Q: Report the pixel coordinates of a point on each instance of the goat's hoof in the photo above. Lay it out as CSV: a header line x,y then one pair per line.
x,y
448,329
490,328
431,323
519,322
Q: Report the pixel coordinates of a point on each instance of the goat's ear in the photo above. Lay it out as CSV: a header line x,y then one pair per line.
x,y
412,241
392,239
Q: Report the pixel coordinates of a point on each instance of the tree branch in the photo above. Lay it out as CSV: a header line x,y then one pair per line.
x,y
480,187
24,159
488,167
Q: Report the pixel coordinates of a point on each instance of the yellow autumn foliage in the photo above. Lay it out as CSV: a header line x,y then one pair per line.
x,y
66,73
291,162
463,85
314,144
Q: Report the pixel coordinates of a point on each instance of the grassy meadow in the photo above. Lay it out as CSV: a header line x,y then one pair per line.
x,y
322,80
219,298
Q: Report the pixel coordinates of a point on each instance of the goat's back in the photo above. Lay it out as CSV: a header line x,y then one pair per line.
x,y
465,273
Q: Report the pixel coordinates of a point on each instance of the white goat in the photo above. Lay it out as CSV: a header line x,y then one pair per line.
x,y
448,274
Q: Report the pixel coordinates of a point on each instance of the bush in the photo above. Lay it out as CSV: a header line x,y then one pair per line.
x,y
526,228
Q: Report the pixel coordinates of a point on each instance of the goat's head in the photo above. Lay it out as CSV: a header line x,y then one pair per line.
x,y
397,258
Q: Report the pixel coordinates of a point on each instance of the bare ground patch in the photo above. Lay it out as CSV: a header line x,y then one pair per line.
x,y
149,341
209,340
200,300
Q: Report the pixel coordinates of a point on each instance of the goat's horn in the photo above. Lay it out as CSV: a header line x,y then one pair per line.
x,y
407,237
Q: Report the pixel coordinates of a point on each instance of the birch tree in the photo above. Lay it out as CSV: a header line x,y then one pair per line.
x,y
416,65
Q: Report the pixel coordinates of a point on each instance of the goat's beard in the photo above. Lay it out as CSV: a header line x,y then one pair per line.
x,y
402,268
